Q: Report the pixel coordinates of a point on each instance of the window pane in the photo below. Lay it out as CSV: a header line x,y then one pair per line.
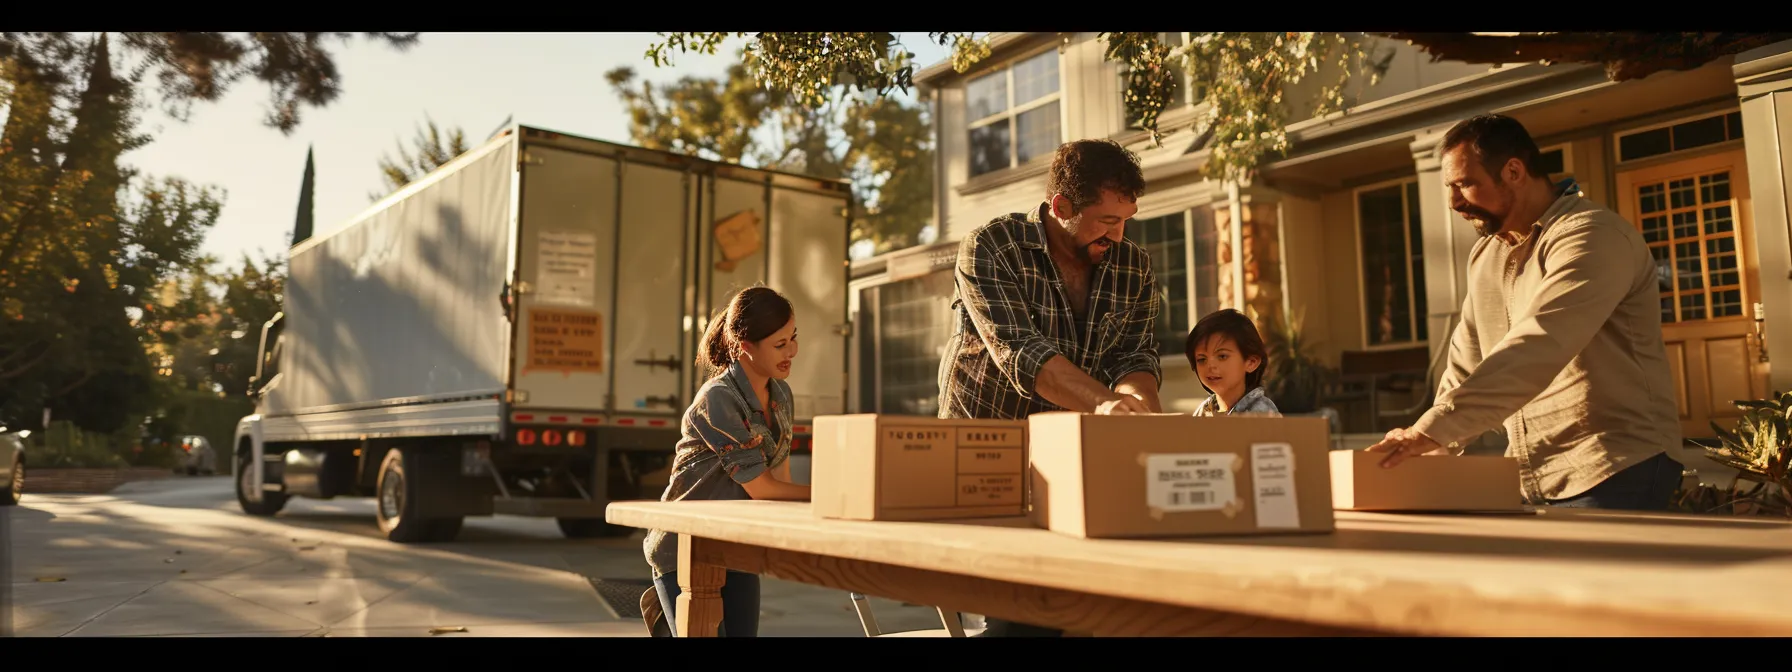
x,y
1036,77
1207,268
1552,162
989,148
1385,265
1707,131
1039,135
916,321
1643,145
1164,240
986,95
1416,229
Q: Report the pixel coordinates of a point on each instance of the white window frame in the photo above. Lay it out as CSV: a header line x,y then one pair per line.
x,y
1362,299
1618,137
1011,114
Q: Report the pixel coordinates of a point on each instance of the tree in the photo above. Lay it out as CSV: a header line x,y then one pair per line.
x,y
305,219
433,151
885,148
298,68
1244,75
83,242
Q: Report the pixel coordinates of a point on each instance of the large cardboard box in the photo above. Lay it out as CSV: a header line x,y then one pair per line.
x,y
1425,483
894,467
1177,475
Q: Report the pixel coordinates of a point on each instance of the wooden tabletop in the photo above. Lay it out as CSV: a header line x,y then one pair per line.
x,y
1554,572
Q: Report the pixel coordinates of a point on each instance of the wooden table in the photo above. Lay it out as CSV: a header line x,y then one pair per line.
x,y
1557,572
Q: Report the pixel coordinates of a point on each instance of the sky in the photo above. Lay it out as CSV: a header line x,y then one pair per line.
x,y
470,80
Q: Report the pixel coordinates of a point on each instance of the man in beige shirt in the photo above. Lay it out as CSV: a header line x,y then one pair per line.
x,y
1560,337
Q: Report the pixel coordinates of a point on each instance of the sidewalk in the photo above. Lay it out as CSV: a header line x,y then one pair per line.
x,y
177,558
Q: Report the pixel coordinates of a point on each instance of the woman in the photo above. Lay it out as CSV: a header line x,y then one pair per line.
x,y
735,445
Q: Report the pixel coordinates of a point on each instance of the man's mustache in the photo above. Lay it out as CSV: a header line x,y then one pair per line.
x,y
1468,211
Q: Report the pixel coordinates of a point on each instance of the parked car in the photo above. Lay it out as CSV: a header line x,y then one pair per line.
x,y
12,459
196,456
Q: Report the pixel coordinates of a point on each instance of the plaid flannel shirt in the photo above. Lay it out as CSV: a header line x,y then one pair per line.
x,y
1014,317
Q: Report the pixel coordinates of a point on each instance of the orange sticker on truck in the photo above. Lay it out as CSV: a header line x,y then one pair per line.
x,y
567,341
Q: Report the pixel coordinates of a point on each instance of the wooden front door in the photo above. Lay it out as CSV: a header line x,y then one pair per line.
x,y
1695,216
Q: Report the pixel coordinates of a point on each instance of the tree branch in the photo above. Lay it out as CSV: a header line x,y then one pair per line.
x,y
71,386
27,365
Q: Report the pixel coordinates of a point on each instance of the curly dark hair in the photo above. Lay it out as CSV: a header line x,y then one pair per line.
x,y
1496,139
1082,168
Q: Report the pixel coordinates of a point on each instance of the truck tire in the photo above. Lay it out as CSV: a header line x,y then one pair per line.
x,y
395,504
271,502
591,528
14,483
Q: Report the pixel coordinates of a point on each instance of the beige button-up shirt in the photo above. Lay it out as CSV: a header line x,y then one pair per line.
x,y
1560,341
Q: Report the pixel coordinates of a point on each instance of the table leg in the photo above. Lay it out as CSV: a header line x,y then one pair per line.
x,y
700,591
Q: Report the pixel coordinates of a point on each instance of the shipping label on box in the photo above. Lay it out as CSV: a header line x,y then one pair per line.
x,y
887,467
1177,475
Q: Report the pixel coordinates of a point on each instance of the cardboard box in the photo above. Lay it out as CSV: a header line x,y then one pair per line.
x,y
894,467
1177,475
1425,483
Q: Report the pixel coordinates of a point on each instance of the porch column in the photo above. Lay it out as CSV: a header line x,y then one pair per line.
x,y
1448,238
1256,286
1764,83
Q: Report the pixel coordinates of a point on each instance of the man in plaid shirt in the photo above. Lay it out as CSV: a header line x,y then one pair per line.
x,y
1056,307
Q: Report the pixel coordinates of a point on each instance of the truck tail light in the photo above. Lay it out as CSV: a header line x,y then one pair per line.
x,y
575,438
525,437
550,437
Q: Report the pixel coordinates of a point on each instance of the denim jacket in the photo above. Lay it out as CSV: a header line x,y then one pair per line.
x,y
712,460
1254,402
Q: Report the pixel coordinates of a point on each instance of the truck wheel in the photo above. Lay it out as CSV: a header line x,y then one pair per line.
x,y
591,528
271,502
396,504
15,485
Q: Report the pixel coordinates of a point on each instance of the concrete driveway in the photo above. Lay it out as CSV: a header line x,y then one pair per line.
x,y
178,558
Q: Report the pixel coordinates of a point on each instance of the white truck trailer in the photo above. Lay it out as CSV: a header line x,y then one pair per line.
x,y
517,331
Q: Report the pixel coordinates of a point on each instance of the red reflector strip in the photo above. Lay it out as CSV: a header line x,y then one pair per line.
x,y
556,418
625,421
524,417
801,429
656,423
593,421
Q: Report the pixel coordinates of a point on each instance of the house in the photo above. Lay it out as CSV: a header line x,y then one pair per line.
x,y
1351,231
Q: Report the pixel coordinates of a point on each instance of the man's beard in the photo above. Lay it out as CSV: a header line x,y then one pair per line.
x,y
1484,222
1088,251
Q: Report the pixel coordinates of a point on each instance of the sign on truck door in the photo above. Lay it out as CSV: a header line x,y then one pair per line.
x,y
567,249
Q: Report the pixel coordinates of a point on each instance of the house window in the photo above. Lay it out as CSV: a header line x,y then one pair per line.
x,y
1679,136
1166,240
914,321
1390,248
1014,114
1556,163
1206,261
1181,95
1689,224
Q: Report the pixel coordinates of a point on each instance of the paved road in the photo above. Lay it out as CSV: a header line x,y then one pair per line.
x,y
178,558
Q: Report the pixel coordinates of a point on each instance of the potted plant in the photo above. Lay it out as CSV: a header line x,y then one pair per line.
x,y
1295,376
1759,449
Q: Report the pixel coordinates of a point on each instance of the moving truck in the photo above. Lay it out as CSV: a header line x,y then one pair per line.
x,y
517,332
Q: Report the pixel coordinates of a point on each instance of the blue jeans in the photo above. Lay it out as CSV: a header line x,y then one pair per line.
x,y
1645,486
740,603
